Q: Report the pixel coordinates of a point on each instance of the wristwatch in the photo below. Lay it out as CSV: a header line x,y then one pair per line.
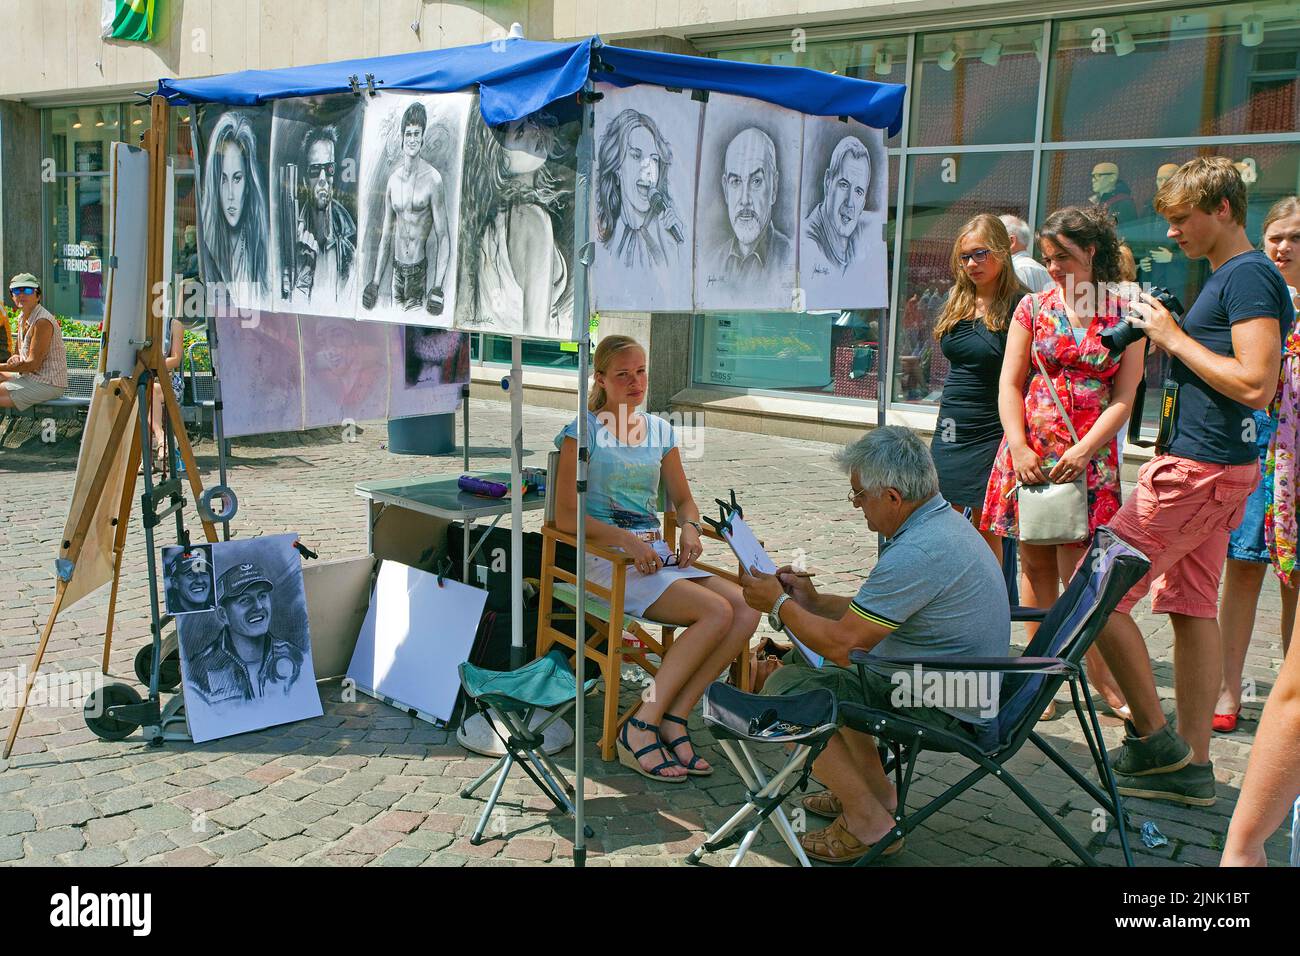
x,y
696,526
774,615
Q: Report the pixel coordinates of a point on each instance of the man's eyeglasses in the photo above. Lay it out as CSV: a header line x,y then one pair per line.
x,y
23,290
670,561
979,255
854,496
315,170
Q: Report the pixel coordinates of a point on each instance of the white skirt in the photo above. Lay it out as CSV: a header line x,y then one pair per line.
x,y
642,590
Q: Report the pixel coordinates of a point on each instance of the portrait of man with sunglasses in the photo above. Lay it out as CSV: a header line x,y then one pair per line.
x,y
326,231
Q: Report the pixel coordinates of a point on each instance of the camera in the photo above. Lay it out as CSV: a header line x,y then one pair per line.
x,y
1125,333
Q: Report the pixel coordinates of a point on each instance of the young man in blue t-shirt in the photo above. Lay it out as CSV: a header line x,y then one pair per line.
x,y
1224,363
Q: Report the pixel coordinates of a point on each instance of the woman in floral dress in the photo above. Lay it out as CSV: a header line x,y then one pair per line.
x,y
1267,533
1062,325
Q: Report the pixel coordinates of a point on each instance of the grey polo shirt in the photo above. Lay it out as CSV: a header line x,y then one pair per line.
x,y
941,593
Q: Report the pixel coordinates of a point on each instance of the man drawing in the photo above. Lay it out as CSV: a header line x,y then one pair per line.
x,y
327,233
189,581
246,661
756,252
836,224
415,226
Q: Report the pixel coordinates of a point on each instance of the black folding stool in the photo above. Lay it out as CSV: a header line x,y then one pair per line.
x,y
737,719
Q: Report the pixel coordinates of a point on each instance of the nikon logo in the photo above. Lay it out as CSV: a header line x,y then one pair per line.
x,y
76,909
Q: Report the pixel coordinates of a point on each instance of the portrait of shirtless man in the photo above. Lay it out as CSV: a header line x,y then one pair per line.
x,y
415,229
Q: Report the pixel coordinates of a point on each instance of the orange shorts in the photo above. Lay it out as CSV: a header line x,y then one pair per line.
x,y
1180,517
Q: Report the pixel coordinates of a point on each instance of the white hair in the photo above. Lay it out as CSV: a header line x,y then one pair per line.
x,y
1019,230
891,457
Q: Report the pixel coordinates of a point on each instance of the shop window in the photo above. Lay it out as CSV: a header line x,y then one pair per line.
x,y
1204,71
976,87
1271,171
536,354
74,277
943,193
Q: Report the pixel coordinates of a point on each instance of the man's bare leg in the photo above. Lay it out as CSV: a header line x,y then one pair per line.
x,y
1198,671
1125,651
856,782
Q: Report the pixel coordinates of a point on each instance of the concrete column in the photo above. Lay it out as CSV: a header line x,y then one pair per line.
x,y
20,203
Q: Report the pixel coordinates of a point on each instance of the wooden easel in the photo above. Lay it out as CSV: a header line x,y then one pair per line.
x,y
126,389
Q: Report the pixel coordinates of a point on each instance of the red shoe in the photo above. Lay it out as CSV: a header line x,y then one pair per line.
x,y
1225,723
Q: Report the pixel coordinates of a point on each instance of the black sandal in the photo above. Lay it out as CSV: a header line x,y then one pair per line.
x,y
630,759
685,737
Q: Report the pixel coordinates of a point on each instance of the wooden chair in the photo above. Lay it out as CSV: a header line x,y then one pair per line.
x,y
605,605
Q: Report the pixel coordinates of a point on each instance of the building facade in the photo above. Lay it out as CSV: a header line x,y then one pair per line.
x,y
1012,108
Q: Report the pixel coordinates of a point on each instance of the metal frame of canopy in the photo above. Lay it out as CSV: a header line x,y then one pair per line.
x,y
507,91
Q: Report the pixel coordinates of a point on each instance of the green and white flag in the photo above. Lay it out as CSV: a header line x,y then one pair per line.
x,y
128,19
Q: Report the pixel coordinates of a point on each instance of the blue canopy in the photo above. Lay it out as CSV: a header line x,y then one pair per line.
x,y
516,77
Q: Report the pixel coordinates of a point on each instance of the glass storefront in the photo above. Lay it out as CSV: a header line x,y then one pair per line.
x,y
992,128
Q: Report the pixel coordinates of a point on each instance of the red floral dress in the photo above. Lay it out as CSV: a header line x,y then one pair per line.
x,y
1084,377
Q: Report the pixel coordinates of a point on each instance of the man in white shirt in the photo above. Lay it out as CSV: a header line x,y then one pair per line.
x,y
1031,273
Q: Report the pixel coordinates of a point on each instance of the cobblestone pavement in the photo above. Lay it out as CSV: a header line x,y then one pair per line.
x,y
368,785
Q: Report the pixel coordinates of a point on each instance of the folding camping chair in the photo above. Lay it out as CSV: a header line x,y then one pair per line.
x,y
604,612
509,699
1053,657
807,721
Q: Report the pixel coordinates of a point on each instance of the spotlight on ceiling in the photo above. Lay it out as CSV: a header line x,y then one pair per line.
x,y
992,53
884,63
1252,30
948,58
1124,43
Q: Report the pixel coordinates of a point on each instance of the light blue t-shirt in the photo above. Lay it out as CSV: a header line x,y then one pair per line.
x,y
622,479
940,592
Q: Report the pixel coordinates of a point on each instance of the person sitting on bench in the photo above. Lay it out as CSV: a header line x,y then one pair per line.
x,y
631,454
936,591
38,372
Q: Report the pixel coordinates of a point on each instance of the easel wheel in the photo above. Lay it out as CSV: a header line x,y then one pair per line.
x,y
96,711
169,677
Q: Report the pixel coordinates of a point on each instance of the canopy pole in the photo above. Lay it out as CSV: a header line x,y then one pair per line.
x,y
516,504
582,315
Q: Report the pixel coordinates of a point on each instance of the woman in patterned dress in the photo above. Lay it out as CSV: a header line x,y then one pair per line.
x,y
1267,532
1062,325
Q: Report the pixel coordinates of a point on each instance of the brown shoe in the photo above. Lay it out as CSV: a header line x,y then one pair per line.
x,y
836,844
824,804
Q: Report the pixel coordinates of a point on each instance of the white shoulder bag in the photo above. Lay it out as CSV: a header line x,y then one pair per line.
x,y
1053,513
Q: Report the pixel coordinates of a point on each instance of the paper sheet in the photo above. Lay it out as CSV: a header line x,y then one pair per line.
x,y
752,555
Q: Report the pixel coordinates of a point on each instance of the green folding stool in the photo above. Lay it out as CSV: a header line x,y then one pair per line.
x,y
508,699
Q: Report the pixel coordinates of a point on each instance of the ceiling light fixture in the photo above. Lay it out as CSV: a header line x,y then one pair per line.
x,y
992,53
884,63
1124,42
948,58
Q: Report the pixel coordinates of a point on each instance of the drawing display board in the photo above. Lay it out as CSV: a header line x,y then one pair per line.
x,y
415,636
843,207
94,567
746,213
516,225
260,366
410,209
126,304
234,203
315,143
345,371
412,151
643,198
247,664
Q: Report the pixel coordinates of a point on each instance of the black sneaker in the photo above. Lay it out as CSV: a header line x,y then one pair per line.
x,y
1193,785
1162,752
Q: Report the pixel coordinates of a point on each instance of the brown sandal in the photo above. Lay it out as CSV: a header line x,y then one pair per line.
x,y
824,804
836,844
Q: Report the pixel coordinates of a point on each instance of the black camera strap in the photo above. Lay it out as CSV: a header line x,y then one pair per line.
x,y
1168,406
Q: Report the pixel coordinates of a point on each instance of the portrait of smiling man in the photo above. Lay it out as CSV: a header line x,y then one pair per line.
x,y
188,579
836,224
247,661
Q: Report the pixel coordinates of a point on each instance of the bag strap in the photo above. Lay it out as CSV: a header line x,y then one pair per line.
x,y
1051,386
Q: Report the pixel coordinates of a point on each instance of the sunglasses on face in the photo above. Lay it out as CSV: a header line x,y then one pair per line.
x,y
979,255
316,170
23,290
